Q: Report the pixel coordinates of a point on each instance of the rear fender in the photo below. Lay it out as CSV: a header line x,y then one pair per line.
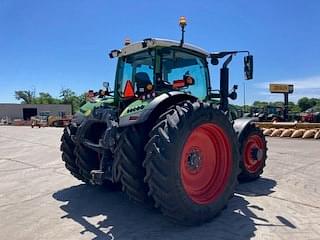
x,y
89,126
151,108
241,124
88,107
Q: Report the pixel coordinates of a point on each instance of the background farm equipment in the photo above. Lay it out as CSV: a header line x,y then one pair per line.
x,y
5,121
39,121
311,115
293,129
45,119
61,120
267,113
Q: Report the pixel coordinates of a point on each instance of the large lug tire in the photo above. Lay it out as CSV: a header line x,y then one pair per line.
x,y
67,147
253,150
88,159
129,155
192,163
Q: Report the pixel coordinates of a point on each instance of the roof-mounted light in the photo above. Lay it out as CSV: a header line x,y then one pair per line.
x,y
127,41
147,42
114,53
183,24
182,21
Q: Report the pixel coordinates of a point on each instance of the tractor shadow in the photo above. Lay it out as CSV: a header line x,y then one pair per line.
x,y
110,215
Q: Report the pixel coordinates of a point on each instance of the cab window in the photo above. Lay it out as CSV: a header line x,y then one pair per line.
x,y
132,65
176,64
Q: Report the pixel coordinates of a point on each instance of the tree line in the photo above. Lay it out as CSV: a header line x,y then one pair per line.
x,y
303,104
66,96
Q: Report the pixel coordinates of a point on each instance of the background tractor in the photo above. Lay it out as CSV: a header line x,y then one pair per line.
x,y
268,113
163,135
40,120
60,120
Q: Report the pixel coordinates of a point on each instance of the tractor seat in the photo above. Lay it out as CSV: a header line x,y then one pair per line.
x,y
142,79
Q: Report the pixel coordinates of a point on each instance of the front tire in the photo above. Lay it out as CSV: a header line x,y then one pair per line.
x,y
192,163
253,150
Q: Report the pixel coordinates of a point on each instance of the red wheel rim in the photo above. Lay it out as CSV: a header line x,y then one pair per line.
x,y
206,163
254,143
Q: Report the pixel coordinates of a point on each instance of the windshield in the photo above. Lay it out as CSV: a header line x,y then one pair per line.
x,y
134,65
175,64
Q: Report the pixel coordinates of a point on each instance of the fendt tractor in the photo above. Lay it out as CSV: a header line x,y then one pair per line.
x,y
163,135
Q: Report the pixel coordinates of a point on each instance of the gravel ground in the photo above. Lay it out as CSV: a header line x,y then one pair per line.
x,y
39,199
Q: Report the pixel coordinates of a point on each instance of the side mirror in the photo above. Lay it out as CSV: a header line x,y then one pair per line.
x,y
214,61
106,85
248,67
233,95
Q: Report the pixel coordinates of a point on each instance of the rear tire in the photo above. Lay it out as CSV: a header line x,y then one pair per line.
x,y
253,150
129,155
67,147
192,163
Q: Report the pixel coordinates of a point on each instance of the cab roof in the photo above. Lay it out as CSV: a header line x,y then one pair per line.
x,y
157,42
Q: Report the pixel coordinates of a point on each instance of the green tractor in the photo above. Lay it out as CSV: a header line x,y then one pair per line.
x,y
163,135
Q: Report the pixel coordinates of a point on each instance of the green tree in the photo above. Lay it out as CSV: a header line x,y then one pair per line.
x,y
315,101
294,107
260,104
69,97
305,103
27,96
45,98
276,104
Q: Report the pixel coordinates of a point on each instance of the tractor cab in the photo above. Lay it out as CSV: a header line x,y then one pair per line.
x,y
150,68
153,66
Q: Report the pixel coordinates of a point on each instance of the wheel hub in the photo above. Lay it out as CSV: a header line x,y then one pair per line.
x,y
256,154
194,160
205,163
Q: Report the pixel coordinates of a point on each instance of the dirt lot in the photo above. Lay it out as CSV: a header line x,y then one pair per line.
x,y
40,200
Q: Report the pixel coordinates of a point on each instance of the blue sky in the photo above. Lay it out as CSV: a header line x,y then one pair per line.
x,y
48,45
